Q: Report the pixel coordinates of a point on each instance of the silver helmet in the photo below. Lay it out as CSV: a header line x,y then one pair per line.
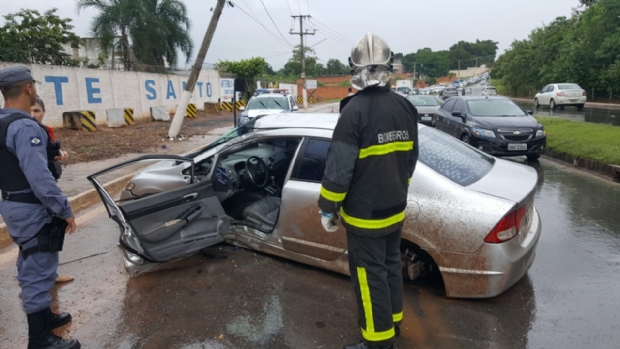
x,y
370,62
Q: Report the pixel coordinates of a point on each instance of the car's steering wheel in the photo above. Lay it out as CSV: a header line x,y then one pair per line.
x,y
257,171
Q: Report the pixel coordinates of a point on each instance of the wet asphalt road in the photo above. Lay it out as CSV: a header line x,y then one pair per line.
x,y
569,299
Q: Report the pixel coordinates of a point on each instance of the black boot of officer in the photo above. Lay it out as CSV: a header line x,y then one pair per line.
x,y
40,335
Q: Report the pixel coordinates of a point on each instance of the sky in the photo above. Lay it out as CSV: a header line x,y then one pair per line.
x,y
407,25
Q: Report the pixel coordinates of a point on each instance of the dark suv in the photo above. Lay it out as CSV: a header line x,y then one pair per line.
x,y
495,125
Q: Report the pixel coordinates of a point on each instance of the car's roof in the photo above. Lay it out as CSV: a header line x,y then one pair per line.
x,y
325,121
473,98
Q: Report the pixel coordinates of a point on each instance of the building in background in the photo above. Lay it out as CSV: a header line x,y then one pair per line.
x,y
91,56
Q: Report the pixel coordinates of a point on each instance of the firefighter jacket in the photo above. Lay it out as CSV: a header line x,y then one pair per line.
x,y
370,162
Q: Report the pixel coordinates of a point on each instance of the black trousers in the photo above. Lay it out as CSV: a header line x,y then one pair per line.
x,y
376,273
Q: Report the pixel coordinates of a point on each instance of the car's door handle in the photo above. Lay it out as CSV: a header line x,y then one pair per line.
x,y
190,197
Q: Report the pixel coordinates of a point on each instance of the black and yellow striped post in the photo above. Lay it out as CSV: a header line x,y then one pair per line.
x,y
239,104
313,100
227,106
87,121
218,108
300,100
128,114
191,110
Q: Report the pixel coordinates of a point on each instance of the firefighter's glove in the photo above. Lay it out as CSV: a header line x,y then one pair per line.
x,y
329,221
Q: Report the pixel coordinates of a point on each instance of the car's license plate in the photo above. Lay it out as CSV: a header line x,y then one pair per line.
x,y
427,118
573,100
517,147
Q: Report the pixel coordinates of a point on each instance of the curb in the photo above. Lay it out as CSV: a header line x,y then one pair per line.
x,y
84,200
599,167
590,104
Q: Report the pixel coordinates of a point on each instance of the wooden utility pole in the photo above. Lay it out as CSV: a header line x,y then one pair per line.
x,y
303,59
177,121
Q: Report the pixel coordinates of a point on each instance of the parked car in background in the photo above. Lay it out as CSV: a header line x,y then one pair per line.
x,y
489,91
266,104
495,125
449,92
403,91
560,95
258,186
427,107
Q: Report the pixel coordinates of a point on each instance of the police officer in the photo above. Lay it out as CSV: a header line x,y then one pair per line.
x,y
33,207
370,162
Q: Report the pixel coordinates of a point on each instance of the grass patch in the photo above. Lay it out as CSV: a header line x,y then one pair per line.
x,y
333,100
583,140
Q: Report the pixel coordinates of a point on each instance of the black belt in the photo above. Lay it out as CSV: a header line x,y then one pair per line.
x,y
26,198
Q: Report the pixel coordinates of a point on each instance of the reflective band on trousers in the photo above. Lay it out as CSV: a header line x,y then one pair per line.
x,y
369,333
372,223
331,196
397,317
384,149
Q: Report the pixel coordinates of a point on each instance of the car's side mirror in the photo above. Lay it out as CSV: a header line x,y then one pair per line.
x,y
541,91
457,114
295,108
529,112
241,108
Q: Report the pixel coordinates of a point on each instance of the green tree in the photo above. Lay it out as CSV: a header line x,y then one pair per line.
x,y
248,69
161,31
433,63
293,66
29,37
336,67
409,62
145,31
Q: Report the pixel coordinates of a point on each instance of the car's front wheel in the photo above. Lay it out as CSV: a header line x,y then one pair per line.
x,y
465,138
536,104
552,105
533,157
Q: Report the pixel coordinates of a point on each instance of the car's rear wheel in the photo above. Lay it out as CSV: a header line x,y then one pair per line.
x,y
465,138
552,105
536,104
533,157
580,107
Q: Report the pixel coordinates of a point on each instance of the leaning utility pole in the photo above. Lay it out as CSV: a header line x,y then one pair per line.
x,y
303,59
177,121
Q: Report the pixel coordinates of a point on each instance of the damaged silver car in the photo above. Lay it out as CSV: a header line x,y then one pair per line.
x,y
470,217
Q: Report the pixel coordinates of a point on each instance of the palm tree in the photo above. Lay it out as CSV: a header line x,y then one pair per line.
x,y
112,24
157,29
161,32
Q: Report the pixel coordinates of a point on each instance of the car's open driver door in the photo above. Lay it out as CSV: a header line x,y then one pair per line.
x,y
165,226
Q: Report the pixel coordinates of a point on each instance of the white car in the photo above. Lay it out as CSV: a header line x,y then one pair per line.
x,y
489,91
267,104
566,94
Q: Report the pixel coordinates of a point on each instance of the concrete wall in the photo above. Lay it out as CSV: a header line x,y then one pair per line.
x,y
328,92
471,71
67,89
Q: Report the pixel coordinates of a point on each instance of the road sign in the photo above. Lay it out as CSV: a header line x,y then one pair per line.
x,y
311,84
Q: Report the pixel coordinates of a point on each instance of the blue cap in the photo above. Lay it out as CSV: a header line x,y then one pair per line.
x,y
11,75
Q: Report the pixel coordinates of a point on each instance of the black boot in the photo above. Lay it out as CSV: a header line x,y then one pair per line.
x,y
396,330
40,335
58,320
363,345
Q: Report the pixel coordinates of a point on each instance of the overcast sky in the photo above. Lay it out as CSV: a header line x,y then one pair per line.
x,y
407,25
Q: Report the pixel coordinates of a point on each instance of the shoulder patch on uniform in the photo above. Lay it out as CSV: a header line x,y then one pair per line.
x,y
35,141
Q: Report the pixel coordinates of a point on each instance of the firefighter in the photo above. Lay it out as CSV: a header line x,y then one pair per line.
x,y
370,163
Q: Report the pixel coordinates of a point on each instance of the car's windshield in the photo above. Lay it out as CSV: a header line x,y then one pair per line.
x,y
569,87
450,89
494,107
422,101
491,88
451,158
246,128
268,103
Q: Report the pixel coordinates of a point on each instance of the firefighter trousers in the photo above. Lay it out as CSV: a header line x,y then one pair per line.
x,y
376,273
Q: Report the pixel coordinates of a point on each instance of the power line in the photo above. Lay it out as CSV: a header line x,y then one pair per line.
x,y
342,39
308,6
299,5
285,43
250,8
289,7
279,54
274,23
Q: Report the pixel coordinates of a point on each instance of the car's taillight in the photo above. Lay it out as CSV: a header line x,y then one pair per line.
x,y
507,228
585,93
560,94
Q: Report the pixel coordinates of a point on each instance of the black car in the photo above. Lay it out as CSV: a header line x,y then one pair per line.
x,y
427,107
495,125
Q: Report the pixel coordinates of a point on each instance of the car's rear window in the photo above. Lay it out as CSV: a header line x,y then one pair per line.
x,y
451,158
490,88
451,89
494,107
420,101
569,87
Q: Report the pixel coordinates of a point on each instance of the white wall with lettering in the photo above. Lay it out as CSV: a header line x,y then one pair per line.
x,y
67,89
